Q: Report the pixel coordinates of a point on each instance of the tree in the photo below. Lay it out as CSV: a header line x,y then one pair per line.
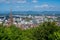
x,y
45,31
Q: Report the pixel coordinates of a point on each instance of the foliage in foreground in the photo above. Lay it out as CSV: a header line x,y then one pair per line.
x,y
45,31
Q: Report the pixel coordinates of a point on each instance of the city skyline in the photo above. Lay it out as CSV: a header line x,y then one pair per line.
x,y
30,5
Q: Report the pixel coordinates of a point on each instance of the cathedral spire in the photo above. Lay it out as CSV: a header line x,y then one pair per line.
x,y
11,17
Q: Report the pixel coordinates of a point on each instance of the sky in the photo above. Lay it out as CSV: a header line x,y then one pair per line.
x,y
30,5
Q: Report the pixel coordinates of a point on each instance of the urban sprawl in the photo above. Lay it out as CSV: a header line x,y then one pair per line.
x,y
29,21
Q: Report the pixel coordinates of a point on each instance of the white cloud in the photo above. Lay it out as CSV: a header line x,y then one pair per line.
x,y
19,6
2,1
34,1
44,6
21,1
7,2
13,1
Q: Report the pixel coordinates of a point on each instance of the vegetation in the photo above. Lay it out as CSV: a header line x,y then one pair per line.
x,y
45,31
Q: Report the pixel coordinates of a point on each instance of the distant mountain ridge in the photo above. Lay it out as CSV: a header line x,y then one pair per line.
x,y
32,13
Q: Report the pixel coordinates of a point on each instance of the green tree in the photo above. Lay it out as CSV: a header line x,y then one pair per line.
x,y
44,30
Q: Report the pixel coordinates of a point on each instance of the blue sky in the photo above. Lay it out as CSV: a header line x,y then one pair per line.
x,y
30,5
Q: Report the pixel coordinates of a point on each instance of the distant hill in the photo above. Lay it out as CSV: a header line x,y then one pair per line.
x,y
32,13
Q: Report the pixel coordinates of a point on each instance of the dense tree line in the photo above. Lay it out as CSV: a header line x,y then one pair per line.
x,y
45,31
